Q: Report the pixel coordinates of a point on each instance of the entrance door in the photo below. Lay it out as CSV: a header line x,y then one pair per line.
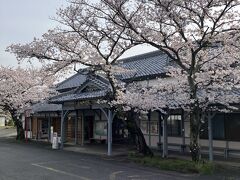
x,y
88,127
44,128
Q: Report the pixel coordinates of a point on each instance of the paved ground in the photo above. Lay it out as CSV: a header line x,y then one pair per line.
x,y
98,149
28,161
21,161
7,131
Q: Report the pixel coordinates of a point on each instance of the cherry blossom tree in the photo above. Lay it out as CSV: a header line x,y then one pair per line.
x,y
85,37
19,88
199,37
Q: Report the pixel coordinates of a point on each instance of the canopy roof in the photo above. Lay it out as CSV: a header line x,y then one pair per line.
x,y
45,107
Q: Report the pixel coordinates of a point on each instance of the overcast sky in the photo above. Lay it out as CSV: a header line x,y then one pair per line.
x,y
22,20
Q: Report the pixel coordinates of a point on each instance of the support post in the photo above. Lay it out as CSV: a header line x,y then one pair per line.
x,y
183,117
37,129
26,128
30,126
82,121
76,126
149,128
226,154
49,128
110,117
159,131
62,129
210,137
63,116
165,139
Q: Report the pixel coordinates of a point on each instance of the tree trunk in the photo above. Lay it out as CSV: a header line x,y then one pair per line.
x,y
137,134
19,128
194,119
194,134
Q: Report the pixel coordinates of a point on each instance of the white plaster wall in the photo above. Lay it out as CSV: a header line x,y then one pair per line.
x,y
234,145
216,143
154,141
2,121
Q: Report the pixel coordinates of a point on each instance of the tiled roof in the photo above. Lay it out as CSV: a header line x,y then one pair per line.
x,y
99,81
232,95
76,93
45,107
78,96
74,81
144,65
149,64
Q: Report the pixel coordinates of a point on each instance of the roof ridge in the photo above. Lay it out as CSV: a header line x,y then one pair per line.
x,y
140,56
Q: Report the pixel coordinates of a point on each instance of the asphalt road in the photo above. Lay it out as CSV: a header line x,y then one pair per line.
x,y
36,161
20,161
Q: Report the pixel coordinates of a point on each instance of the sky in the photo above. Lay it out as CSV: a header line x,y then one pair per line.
x,y
22,20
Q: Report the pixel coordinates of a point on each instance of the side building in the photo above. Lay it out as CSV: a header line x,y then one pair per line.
x,y
39,118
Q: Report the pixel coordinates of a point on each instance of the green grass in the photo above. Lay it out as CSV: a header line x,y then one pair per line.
x,y
227,172
171,164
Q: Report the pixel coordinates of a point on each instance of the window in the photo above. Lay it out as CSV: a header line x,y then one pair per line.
x,y
154,127
218,124
149,127
204,130
218,127
174,125
154,130
144,127
224,127
44,126
101,128
232,127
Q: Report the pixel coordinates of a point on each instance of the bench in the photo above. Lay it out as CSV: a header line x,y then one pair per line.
x,y
97,140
